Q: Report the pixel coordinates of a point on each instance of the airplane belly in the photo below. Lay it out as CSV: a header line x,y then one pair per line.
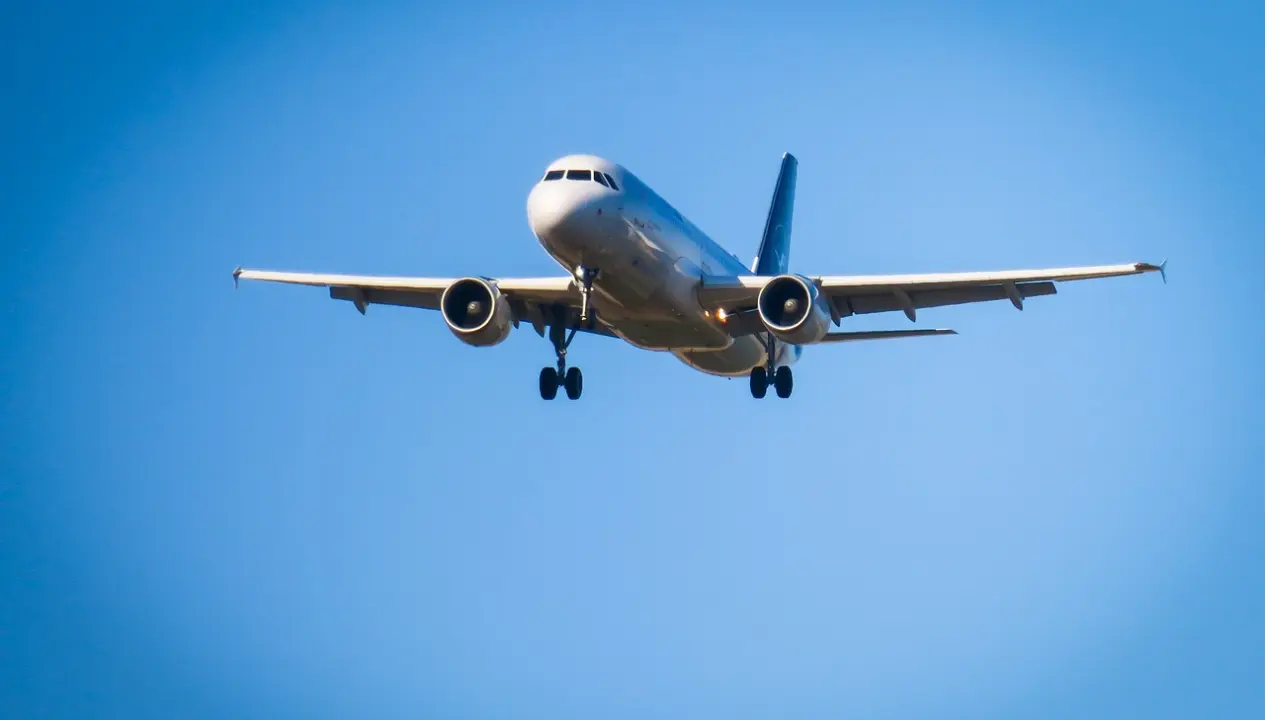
x,y
662,316
654,289
734,361
664,332
646,290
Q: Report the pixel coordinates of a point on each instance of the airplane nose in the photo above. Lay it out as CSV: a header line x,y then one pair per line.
x,y
555,209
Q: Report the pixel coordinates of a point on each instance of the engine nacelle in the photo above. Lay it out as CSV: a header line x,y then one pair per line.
x,y
476,311
793,310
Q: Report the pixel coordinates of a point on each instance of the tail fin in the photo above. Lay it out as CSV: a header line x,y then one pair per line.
x,y
775,246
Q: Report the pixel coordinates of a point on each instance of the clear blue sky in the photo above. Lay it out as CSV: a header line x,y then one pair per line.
x,y
260,504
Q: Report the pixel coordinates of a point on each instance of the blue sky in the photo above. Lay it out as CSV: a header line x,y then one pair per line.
x,y
258,503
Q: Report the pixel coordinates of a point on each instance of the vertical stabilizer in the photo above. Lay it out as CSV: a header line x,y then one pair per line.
x,y
775,246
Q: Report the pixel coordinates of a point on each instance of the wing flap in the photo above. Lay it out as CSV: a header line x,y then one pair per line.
x,y
887,302
425,299
883,335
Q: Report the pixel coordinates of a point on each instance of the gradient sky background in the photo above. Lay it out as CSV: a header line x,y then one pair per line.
x,y
258,503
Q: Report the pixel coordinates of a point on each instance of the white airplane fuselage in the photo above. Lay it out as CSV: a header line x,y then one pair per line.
x,y
650,260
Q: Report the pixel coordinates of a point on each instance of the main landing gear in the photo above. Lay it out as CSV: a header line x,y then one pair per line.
x,y
779,377
550,380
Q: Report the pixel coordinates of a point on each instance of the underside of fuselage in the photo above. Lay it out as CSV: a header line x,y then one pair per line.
x,y
648,260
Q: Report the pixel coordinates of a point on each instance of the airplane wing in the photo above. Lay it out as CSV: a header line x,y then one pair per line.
x,y
883,335
858,294
532,299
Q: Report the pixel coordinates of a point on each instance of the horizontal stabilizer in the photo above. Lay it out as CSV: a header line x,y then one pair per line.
x,y
883,335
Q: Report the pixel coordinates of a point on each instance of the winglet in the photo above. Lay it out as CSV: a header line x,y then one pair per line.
x,y
235,276
1148,267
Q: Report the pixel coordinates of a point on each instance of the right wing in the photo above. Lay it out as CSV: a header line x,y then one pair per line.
x,y
882,335
533,300
859,294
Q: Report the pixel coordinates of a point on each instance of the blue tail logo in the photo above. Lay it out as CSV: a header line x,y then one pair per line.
x,y
775,245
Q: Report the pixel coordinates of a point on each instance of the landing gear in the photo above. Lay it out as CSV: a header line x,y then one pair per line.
x,y
762,377
548,383
551,379
782,382
573,383
585,278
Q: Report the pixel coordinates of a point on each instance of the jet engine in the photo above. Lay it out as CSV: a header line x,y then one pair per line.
x,y
476,311
793,310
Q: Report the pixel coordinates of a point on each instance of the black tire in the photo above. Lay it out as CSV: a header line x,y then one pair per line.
x,y
759,382
548,383
573,383
782,382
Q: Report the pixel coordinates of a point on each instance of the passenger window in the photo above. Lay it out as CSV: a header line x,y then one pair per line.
x,y
553,175
578,174
599,177
612,184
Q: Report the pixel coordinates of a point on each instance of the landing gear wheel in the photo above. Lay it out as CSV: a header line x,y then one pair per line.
x,y
759,382
548,383
782,382
573,383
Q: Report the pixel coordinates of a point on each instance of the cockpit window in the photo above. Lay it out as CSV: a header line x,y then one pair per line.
x,y
588,175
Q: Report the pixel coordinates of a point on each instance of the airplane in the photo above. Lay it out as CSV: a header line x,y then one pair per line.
x,y
642,272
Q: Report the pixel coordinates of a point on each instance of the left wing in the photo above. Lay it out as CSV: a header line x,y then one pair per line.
x,y
858,294
532,300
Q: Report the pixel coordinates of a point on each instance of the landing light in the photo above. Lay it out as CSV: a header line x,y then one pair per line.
x,y
721,315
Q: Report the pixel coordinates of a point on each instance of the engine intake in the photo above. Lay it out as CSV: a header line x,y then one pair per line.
x,y
793,310
476,311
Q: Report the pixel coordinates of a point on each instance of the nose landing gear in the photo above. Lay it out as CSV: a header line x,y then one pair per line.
x,y
550,380
585,277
